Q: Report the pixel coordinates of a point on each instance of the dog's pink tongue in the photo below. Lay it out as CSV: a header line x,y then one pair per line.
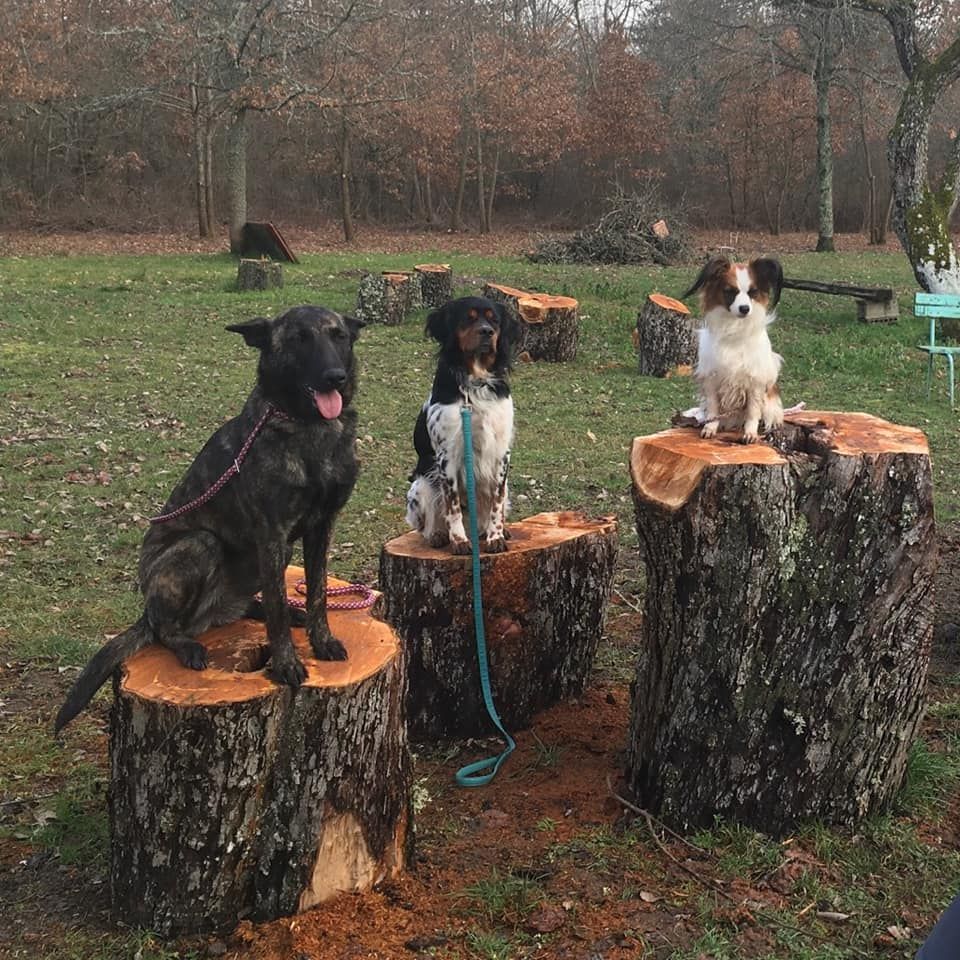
x,y
329,404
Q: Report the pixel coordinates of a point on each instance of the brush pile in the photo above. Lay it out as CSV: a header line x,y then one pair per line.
x,y
630,231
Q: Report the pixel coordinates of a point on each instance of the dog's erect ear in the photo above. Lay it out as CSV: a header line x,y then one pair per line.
x,y
438,323
711,269
256,332
769,276
354,325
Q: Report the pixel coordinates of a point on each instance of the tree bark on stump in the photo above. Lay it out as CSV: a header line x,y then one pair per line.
x,y
232,798
387,297
666,337
544,605
259,275
436,283
788,621
549,325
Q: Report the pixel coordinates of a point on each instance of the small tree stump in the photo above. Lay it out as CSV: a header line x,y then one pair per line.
x,y
436,283
549,325
788,623
544,606
259,275
387,298
666,337
230,797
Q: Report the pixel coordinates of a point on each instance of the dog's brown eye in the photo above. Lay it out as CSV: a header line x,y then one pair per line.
x,y
752,292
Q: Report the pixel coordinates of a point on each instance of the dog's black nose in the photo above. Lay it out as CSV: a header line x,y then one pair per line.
x,y
744,309
335,377
485,330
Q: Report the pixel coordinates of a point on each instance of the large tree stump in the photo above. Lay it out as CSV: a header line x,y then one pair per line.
x,y
788,620
259,275
544,606
666,337
436,283
549,325
387,297
230,797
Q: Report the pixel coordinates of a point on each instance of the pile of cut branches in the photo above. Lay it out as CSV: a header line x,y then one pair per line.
x,y
627,232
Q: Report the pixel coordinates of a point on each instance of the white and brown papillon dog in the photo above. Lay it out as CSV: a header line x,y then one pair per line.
x,y
737,368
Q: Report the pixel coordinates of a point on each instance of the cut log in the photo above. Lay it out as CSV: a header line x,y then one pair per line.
x,y
788,622
549,325
259,275
231,797
666,337
387,297
544,606
436,283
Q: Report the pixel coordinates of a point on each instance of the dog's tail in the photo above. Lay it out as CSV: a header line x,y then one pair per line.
x,y
104,662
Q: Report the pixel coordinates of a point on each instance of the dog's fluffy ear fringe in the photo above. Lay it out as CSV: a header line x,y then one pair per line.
x,y
438,324
713,267
770,274
255,332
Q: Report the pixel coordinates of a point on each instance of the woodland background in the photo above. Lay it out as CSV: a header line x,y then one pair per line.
x,y
457,114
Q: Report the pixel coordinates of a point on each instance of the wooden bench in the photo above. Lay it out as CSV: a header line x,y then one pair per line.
x,y
874,304
938,307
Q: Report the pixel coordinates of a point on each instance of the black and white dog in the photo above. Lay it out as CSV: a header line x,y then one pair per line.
x,y
475,337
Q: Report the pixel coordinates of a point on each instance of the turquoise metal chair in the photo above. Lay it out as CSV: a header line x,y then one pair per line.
x,y
938,306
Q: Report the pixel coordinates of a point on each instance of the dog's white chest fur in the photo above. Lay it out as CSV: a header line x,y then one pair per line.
x,y
737,351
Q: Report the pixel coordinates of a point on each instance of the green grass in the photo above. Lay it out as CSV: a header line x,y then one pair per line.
x,y
114,370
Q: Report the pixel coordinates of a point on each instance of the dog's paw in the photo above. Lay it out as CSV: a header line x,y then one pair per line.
x,y
460,548
709,429
192,655
749,436
496,545
329,648
288,669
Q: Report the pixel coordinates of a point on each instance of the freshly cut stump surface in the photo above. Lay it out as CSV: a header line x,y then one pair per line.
x,y
788,621
232,798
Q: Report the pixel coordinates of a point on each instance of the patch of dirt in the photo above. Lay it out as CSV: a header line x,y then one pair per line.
x,y
508,240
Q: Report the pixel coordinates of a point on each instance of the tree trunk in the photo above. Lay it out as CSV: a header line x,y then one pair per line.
x,y
346,171
822,80
788,622
492,192
666,337
232,798
481,195
921,212
549,325
209,206
456,214
236,175
544,605
201,171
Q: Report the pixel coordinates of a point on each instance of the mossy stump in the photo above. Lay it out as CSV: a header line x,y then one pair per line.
x,y
232,798
259,275
544,606
666,338
788,621
436,283
388,297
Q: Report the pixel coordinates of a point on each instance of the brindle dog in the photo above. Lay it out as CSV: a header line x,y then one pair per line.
x,y
202,567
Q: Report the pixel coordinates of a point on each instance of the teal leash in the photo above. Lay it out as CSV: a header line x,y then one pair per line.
x,y
470,775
